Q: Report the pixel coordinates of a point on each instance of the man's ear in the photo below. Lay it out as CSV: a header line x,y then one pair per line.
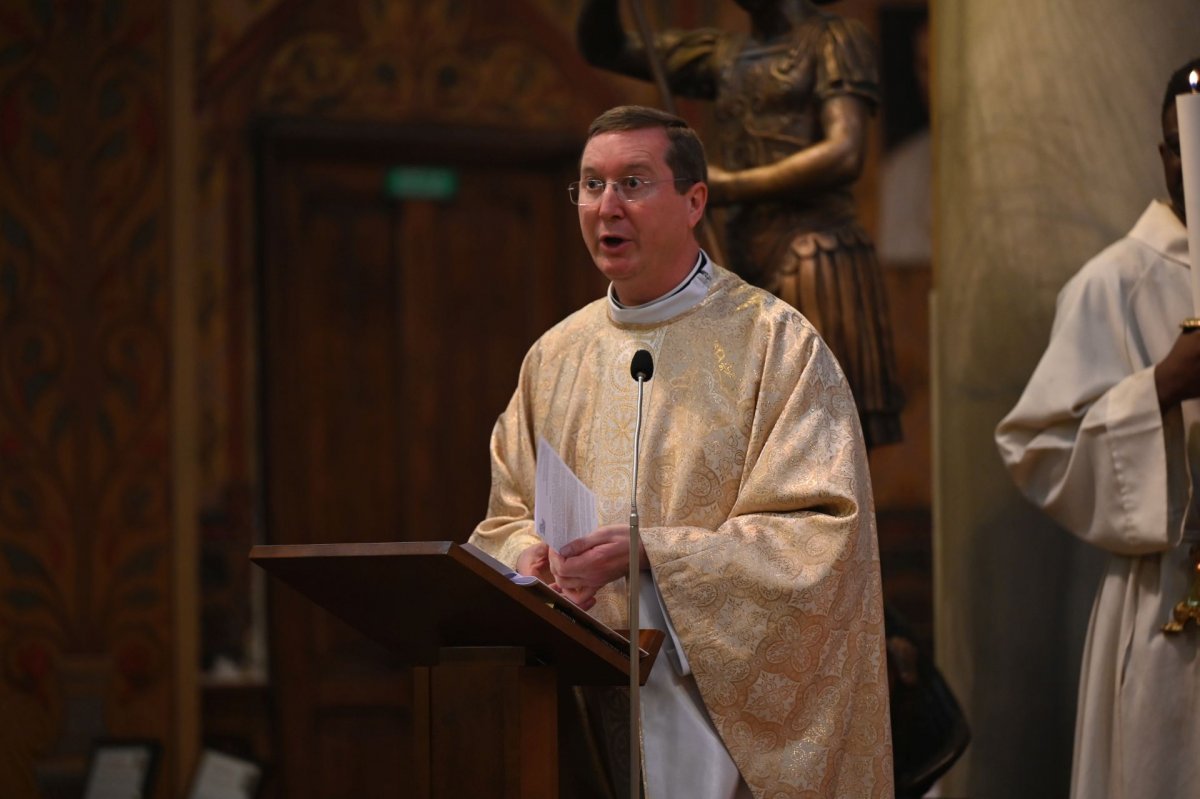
x,y
697,201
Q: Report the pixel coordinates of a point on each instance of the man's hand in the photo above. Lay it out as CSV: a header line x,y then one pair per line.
x,y
587,564
1177,376
534,561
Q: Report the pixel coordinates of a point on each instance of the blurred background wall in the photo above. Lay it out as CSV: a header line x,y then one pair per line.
x,y
1047,125
225,309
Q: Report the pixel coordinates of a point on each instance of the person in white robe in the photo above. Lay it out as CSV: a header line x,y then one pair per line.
x,y
757,530
1105,440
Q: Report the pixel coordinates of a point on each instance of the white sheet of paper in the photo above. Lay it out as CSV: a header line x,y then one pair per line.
x,y
564,508
117,772
222,776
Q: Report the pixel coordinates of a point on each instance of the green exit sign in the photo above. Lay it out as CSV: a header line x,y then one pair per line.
x,y
421,183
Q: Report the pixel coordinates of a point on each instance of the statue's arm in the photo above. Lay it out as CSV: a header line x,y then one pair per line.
x,y
834,160
604,43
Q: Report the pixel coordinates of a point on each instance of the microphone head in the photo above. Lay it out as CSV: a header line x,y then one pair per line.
x,y
642,366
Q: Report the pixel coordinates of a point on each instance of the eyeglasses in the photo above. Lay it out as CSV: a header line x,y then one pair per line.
x,y
630,189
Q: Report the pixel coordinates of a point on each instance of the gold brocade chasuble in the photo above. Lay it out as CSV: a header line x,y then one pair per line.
x,y
756,514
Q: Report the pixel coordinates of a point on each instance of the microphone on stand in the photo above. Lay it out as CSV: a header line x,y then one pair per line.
x,y
641,369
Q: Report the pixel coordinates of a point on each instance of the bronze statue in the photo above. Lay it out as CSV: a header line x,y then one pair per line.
x,y
792,101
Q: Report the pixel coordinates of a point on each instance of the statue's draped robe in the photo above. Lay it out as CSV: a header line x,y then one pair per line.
x,y
756,515
1088,444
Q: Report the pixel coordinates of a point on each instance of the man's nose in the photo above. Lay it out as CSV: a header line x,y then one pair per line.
x,y
610,203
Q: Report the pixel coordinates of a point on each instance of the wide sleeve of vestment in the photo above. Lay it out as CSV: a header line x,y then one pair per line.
x,y
847,63
1086,442
507,530
779,608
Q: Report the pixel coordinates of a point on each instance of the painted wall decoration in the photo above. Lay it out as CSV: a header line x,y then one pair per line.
x,y
84,382
444,61
223,25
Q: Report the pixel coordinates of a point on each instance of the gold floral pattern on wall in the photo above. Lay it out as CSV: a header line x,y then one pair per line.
x,y
441,62
223,24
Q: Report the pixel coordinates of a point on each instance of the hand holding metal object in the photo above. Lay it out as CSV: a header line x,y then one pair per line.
x,y
1188,609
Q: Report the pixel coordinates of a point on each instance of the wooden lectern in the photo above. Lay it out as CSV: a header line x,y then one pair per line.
x,y
492,650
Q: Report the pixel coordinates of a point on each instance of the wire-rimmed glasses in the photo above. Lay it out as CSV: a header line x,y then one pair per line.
x,y
629,189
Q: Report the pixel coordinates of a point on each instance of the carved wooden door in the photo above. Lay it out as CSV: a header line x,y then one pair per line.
x,y
392,331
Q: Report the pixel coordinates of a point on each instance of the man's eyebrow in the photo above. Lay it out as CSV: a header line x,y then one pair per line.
x,y
632,168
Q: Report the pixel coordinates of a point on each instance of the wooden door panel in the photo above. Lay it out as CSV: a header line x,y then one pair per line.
x,y
392,331
331,368
468,300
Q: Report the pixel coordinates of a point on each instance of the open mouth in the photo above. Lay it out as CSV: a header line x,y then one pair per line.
x,y
612,241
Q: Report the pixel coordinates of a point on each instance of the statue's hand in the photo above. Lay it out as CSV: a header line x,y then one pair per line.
x,y
719,182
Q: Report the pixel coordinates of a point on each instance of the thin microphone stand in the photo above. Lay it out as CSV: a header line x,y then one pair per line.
x,y
635,570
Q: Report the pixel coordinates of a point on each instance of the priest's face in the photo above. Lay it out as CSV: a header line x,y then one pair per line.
x,y
645,246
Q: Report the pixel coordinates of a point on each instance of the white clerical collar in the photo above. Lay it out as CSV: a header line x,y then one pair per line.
x,y
690,291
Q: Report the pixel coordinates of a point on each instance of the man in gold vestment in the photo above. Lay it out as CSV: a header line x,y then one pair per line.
x,y
757,526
